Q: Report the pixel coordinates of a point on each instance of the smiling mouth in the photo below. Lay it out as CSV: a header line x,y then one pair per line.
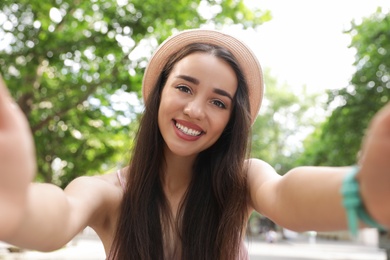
x,y
188,131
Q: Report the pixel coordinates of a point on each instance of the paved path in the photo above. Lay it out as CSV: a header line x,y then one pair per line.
x,y
84,249
321,250
91,249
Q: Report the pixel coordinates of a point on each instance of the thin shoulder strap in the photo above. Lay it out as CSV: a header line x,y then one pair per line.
x,y
120,178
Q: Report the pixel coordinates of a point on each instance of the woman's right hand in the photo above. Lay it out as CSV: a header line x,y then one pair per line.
x,y
17,162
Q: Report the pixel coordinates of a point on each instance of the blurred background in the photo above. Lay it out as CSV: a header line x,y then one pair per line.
x,y
75,68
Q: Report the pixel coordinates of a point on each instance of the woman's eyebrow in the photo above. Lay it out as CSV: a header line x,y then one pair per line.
x,y
188,78
222,93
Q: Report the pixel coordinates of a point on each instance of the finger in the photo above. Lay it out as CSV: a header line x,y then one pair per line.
x,y
8,108
379,128
381,122
6,101
4,93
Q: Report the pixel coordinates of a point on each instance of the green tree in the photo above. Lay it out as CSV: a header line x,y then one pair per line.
x,y
286,117
338,141
75,68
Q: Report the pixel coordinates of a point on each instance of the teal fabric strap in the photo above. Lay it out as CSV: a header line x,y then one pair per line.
x,y
353,203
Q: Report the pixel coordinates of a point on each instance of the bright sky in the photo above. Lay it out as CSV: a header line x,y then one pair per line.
x,y
304,43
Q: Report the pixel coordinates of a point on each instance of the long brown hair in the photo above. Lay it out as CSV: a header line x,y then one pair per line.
x,y
213,211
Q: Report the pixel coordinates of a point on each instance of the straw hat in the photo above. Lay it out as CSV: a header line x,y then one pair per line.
x,y
246,58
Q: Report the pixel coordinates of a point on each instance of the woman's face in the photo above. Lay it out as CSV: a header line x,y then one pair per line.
x,y
196,103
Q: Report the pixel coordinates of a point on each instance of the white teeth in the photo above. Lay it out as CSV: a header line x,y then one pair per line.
x,y
187,131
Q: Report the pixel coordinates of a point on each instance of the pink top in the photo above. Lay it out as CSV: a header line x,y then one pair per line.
x,y
243,250
121,181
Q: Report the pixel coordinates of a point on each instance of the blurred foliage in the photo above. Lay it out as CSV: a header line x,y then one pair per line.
x,y
75,68
286,117
338,141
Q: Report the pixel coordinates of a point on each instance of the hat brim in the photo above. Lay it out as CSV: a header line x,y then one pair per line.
x,y
244,55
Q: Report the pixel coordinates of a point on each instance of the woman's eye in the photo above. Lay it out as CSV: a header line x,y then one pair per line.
x,y
183,88
219,104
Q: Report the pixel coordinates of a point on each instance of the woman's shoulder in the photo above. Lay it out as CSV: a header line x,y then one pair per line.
x,y
107,182
259,172
97,199
101,194
261,180
114,180
258,166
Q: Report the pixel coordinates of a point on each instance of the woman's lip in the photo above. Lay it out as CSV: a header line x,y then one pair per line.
x,y
189,125
185,136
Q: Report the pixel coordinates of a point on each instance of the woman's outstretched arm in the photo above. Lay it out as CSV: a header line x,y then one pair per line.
x,y
17,162
38,216
309,198
305,198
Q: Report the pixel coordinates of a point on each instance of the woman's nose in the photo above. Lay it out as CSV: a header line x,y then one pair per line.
x,y
195,109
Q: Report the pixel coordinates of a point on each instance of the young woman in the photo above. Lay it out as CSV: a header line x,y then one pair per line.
x,y
189,187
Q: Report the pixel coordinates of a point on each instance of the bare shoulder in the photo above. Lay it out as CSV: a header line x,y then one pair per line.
x,y
95,185
261,181
100,195
259,169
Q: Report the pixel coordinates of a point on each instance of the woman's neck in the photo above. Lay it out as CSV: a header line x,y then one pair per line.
x,y
177,173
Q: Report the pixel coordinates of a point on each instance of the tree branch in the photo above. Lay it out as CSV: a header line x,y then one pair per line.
x,y
62,112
